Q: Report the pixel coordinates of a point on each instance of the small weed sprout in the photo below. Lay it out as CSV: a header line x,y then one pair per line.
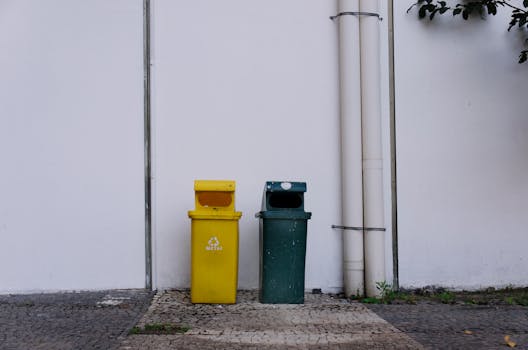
x,y
160,328
387,294
446,297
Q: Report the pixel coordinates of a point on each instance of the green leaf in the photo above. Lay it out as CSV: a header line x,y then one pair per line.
x,y
421,12
525,3
431,16
492,8
523,56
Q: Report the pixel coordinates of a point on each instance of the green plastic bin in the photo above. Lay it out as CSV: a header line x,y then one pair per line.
x,y
283,231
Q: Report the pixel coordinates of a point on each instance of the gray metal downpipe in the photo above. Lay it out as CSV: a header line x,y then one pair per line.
x,y
147,144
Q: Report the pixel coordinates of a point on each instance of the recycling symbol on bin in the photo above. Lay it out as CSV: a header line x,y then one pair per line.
x,y
213,244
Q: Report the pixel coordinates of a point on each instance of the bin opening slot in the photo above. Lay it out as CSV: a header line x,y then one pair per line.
x,y
215,199
285,200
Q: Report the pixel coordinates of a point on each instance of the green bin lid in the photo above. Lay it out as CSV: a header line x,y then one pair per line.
x,y
283,195
285,186
284,214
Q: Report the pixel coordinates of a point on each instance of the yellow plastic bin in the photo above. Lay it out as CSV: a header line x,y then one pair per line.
x,y
214,243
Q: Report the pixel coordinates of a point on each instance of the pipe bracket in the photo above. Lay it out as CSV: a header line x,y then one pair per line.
x,y
356,13
352,228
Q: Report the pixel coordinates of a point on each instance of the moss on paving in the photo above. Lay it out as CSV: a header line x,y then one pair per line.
x,y
160,328
489,296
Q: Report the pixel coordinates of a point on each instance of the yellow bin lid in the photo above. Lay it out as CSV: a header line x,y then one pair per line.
x,y
214,195
214,185
216,215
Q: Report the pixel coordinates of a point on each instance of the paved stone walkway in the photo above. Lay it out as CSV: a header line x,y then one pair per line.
x,y
101,320
459,326
68,321
323,322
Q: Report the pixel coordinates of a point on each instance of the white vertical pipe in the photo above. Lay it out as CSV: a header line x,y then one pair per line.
x,y
372,150
351,149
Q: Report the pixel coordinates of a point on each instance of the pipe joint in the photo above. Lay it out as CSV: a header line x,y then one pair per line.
x,y
354,228
356,13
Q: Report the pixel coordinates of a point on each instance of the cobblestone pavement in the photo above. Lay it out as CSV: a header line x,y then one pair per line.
x,y
323,322
64,321
459,326
101,320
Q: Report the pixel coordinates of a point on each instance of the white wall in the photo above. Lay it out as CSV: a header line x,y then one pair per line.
x,y
245,91
71,145
462,145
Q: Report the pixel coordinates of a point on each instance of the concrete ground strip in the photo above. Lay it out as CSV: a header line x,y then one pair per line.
x,y
323,322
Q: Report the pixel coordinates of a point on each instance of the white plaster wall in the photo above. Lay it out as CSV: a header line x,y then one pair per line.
x,y
245,91
71,145
462,145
